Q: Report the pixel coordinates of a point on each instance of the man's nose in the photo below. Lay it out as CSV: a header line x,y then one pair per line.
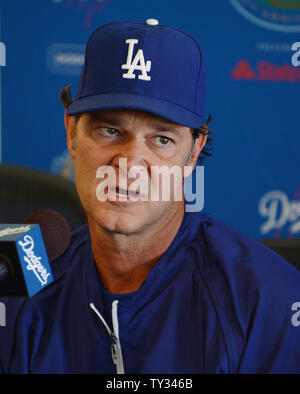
x,y
134,153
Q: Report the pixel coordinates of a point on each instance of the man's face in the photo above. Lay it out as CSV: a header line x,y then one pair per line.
x,y
143,139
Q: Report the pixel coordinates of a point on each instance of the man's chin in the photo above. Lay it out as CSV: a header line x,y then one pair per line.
x,y
118,223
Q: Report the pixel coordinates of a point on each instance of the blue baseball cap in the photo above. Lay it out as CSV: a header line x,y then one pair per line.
x,y
144,66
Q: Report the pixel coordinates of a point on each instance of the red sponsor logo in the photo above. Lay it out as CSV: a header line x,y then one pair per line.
x,y
265,71
89,7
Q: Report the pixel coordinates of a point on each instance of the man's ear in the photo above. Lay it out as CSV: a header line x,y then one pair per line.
x,y
199,144
70,129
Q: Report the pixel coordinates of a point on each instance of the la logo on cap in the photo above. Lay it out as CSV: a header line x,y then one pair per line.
x,y
137,64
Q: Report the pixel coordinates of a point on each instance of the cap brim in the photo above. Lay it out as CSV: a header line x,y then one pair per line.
x,y
161,108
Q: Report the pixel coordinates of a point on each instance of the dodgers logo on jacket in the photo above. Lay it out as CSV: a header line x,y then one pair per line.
x,y
137,64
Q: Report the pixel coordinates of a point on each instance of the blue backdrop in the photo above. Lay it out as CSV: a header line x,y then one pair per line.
x,y
252,180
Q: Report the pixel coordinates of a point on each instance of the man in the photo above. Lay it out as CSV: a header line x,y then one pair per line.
x,y
146,287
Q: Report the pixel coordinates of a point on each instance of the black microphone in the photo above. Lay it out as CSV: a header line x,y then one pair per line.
x,y
4,270
27,249
55,230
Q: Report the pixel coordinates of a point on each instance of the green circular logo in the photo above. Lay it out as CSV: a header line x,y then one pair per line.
x,y
279,15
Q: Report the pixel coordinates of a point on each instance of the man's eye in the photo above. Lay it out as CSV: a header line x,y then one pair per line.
x,y
107,131
161,140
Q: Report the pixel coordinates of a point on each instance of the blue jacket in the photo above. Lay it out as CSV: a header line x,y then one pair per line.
x,y
216,302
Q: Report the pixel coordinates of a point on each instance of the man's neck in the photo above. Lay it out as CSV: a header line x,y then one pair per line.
x,y
124,261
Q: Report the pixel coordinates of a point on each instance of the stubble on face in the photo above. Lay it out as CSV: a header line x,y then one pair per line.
x,y
110,217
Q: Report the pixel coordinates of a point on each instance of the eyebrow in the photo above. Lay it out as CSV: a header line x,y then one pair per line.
x,y
164,126
159,126
105,119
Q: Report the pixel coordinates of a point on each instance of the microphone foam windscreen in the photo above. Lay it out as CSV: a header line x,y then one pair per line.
x,y
55,230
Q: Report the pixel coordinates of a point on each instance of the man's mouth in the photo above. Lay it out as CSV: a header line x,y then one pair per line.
x,y
124,195
124,192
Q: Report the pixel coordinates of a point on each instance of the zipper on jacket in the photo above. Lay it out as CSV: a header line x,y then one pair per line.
x,y
116,351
